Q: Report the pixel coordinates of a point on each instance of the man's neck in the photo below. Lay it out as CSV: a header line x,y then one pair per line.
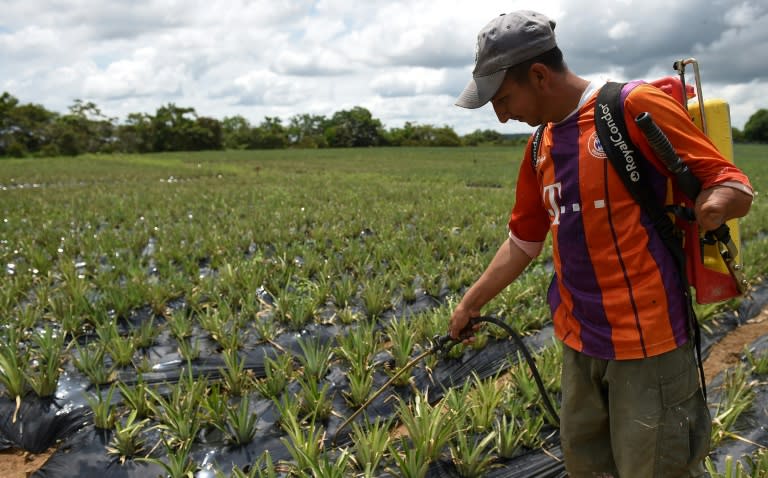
x,y
568,96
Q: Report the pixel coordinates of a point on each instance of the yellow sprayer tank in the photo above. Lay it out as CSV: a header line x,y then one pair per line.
x,y
708,272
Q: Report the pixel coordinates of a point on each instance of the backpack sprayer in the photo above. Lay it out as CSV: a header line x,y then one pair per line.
x,y
442,345
715,244
713,263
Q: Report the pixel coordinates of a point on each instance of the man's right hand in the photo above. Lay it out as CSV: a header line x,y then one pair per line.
x,y
458,328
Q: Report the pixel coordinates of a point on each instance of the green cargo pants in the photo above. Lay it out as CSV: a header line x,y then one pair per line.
x,y
642,418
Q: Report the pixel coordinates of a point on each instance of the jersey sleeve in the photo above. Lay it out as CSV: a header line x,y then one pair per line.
x,y
529,220
690,143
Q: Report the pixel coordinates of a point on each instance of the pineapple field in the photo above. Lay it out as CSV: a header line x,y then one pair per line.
x,y
222,314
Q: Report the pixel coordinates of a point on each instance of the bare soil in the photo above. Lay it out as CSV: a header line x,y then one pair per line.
x,y
15,463
727,352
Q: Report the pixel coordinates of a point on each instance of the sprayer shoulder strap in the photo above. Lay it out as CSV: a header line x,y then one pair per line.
x,y
630,164
536,145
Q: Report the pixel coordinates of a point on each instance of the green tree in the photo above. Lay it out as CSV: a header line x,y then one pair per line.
x,y
9,146
478,137
135,135
99,129
756,128
69,137
737,135
445,136
237,133
307,131
206,135
24,128
412,134
170,126
85,130
180,129
270,134
354,128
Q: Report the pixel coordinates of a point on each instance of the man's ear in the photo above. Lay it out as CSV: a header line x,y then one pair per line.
x,y
539,76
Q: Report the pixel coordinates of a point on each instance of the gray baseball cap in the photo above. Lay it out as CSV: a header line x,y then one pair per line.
x,y
505,41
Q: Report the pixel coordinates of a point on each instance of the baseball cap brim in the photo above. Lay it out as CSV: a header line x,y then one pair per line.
x,y
480,90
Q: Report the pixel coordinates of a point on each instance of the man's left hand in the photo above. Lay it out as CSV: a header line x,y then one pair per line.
x,y
717,204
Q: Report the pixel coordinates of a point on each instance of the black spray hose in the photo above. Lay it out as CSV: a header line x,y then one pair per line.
x,y
528,358
686,181
446,342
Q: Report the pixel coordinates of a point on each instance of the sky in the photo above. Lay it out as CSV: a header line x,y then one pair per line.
x,y
402,60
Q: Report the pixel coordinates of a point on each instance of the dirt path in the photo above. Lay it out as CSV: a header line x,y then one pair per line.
x,y
21,464
727,352
724,354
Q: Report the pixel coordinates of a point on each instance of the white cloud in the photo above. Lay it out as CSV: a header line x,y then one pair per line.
x,y
410,34
32,39
409,82
403,60
316,62
144,74
620,30
742,15
743,99
263,87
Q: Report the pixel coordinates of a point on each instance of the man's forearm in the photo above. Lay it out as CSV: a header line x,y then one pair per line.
x,y
508,263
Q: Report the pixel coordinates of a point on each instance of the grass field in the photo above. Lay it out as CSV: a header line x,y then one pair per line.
x,y
242,246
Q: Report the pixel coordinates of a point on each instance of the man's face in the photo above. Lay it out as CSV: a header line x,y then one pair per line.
x,y
516,101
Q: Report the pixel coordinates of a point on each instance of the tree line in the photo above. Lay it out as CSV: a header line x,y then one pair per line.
x,y
32,130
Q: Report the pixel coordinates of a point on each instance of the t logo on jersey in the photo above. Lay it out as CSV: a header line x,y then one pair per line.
x,y
595,148
551,196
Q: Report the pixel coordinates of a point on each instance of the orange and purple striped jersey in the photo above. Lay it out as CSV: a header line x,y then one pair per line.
x,y
616,291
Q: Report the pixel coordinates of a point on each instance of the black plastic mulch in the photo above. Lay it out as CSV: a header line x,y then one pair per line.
x,y
42,423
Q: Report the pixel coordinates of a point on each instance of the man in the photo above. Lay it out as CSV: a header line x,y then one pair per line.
x,y
632,405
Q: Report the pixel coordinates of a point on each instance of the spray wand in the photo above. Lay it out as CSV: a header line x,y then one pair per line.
x,y
442,345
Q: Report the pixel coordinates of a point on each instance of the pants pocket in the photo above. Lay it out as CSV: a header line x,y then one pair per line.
x,y
684,428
